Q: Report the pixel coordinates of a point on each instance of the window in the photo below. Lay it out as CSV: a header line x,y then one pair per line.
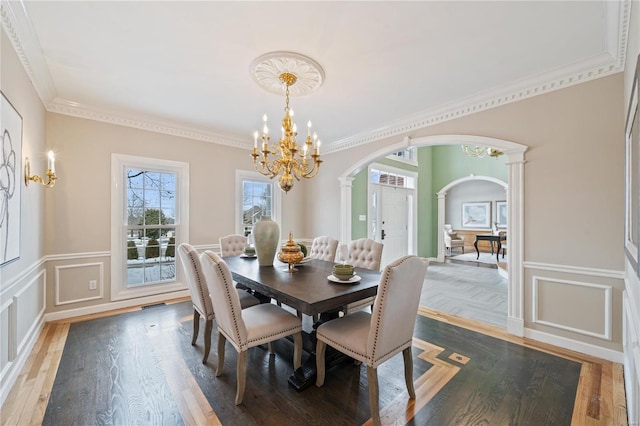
x,y
408,156
257,196
151,240
149,217
392,178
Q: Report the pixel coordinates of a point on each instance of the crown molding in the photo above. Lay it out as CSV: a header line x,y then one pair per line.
x,y
17,25
75,109
594,68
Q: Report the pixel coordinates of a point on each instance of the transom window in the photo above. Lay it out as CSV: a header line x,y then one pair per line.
x,y
392,179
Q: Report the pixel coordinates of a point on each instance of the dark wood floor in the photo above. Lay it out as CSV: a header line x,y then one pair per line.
x,y
139,368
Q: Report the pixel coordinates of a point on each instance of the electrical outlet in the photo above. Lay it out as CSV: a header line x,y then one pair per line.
x,y
93,284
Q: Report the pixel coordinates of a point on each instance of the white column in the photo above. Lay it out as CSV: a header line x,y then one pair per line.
x,y
442,198
515,252
346,186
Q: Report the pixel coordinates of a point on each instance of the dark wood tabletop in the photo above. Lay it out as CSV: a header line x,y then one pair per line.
x,y
308,290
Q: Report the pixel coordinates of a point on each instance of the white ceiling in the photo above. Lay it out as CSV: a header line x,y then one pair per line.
x,y
183,67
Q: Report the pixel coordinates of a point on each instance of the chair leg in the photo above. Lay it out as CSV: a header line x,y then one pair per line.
x,y
208,329
320,349
196,326
297,351
372,378
408,371
221,341
271,349
241,376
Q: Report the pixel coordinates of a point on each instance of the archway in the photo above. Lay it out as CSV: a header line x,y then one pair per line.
x,y
442,196
515,202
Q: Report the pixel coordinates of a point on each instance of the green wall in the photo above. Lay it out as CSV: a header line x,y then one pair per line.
x,y
437,167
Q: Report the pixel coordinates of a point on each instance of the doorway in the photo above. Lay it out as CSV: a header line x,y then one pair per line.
x,y
515,228
391,210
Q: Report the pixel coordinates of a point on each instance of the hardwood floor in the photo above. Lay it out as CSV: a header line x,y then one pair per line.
x,y
140,368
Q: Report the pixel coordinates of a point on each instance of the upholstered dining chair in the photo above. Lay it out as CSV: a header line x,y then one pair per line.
x,y
249,327
452,239
364,253
202,305
374,338
324,248
232,245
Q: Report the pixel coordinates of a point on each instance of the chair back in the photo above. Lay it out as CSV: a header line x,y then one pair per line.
x,y
324,248
232,245
365,253
195,280
448,228
395,308
226,302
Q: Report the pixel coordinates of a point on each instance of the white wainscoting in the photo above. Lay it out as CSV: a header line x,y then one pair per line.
x,y
605,283
60,270
605,305
22,306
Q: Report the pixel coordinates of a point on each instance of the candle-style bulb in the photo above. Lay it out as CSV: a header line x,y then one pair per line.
x,y
295,128
291,113
309,128
265,130
255,139
51,165
264,118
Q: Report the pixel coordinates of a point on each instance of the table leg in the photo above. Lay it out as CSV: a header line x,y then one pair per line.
x,y
305,376
475,244
498,252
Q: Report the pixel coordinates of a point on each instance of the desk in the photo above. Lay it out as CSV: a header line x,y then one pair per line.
x,y
491,238
308,291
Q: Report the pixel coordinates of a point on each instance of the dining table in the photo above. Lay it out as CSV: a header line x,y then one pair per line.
x,y
310,290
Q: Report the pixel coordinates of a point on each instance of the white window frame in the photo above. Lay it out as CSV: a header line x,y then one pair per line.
x,y
410,156
119,164
242,175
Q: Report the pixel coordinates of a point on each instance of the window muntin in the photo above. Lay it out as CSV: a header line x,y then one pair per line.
x,y
391,179
150,226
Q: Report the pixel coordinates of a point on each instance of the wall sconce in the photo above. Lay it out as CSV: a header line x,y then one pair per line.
x,y
51,172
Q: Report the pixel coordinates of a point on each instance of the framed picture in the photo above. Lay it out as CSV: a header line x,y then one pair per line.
x,y
501,214
10,181
632,177
476,214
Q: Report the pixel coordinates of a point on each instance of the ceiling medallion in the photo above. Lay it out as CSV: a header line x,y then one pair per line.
x,y
267,69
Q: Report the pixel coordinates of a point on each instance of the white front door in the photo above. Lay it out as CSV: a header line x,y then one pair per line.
x,y
394,223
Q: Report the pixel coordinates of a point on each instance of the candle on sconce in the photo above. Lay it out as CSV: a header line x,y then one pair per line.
x,y
52,162
309,128
319,143
255,139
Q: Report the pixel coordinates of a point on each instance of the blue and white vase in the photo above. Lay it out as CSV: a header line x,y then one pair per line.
x,y
266,234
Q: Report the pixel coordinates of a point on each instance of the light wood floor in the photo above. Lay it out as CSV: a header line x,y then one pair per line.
x,y
600,398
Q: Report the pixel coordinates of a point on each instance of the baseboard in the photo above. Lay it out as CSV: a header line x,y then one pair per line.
x,y
87,310
18,363
515,326
574,345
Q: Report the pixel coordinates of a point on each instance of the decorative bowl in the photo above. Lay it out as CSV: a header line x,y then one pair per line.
x,y
343,272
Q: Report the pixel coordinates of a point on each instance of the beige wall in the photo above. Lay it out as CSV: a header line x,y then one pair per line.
x,y
22,281
573,171
573,201
79,219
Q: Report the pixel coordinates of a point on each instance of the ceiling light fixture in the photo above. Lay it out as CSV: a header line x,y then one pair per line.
x,y
275,72
481,151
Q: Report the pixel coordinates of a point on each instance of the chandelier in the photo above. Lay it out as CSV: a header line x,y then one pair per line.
x,y
286,158
481,151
